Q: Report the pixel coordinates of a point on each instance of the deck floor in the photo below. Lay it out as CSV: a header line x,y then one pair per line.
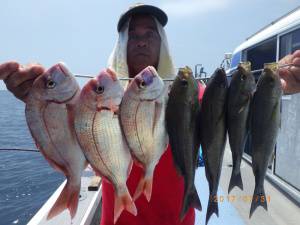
x,y
235,207
233,210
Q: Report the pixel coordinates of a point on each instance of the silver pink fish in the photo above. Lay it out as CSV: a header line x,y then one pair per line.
x,y
48,121
99,133
142,116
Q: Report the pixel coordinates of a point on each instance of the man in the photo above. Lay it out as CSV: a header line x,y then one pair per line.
x,y
142,42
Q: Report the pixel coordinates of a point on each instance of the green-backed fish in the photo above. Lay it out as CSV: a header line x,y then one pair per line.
x,y
213,134
265,124
182,123
240,93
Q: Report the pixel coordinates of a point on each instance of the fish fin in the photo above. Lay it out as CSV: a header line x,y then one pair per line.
x,y
245,104
273,115
144,186
271,159
280,123
235,180
86,163
211,209
259,199
195,123
250,113
97,173
190,200
68,198
275,111
241,109
124,202
222,115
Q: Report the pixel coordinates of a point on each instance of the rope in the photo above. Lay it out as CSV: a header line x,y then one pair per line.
x,y
19,150
197,78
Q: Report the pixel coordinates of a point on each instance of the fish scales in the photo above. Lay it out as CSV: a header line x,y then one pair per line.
x,y
142,114
47,118
107,127
99,132
138,128
265,124
144,110
88,140
240,93
213,134
182,123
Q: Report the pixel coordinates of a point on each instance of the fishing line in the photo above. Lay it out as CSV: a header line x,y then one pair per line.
x,y
172,79
279,66
19,149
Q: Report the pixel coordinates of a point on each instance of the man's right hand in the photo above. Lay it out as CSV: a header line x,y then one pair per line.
x,y
19,79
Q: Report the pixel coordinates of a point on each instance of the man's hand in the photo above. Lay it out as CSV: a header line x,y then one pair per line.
x,y
19,79
290,76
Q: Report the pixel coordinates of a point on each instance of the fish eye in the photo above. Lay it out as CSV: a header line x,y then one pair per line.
x,y
141,83
99,89
50,84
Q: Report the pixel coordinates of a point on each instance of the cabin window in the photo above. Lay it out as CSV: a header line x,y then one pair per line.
x,y
264,52
289,43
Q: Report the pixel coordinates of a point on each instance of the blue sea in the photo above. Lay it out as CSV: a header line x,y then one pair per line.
x,y
26,179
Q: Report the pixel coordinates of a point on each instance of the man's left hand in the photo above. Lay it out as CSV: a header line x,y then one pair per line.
x,y
290,76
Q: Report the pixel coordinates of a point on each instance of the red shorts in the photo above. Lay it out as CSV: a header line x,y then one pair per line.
x,y
165,205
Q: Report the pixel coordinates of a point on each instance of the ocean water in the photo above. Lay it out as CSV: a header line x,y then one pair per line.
x,y
26,179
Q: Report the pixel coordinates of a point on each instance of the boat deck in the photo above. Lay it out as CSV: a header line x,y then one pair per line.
x,y
88,211
235,207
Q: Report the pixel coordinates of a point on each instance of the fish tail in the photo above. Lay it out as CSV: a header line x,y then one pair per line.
x,y
68,198
235,180
124,202
144,186
190,200
259,199
211,209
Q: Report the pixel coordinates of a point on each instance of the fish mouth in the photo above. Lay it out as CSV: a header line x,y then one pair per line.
x,y
68,99
104,108
152,70
115,110
63,69
60,67
220,76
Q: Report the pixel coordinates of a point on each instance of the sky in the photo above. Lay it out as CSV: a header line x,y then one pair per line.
x,y
83,33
